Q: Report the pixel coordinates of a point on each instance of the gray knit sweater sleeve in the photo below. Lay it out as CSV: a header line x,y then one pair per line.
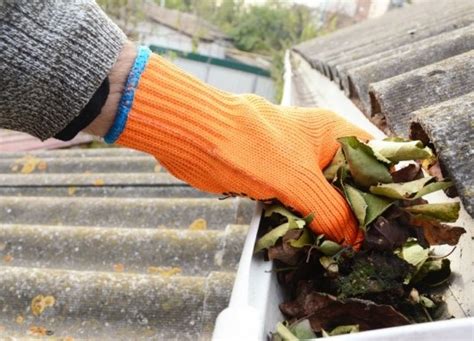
x,y
54,54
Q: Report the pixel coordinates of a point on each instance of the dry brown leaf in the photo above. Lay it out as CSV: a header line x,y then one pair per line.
x,y
20,319
323,310
99,182
7,258
157,168
164,270
437,233
198,225
40,303
28,164
71,190
38,331
42,166
119,267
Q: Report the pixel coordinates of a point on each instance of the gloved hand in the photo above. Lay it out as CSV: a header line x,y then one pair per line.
x,y
238,144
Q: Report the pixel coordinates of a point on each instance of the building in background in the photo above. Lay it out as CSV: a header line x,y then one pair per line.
x,y
203,50
348,12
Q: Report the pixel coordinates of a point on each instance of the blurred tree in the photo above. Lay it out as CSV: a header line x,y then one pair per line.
x,y
270,30
125,13
267,29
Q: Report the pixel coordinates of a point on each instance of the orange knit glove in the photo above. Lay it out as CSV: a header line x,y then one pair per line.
x,y
241,145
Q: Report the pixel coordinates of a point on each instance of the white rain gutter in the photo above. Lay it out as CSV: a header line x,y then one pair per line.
x,y
253,308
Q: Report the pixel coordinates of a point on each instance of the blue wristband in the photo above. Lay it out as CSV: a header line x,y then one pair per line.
x,y
128,94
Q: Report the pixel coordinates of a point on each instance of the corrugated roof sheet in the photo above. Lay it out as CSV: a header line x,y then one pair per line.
x,y
114,239
13,141
412,64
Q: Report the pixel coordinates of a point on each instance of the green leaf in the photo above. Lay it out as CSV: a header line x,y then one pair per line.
x,y
366,207
426,302
294,222
405,190
375,206
357,202
270,238
413,253
433,187
285,333
348,329
329,264
364,167
293,219
302,330
400,150
279,210
329,248
331,170
305,239
448,212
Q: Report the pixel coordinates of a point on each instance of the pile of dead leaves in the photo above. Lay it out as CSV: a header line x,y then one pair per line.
x,y
334,290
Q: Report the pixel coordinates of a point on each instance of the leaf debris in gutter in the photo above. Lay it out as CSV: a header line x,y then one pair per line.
x,y
332,290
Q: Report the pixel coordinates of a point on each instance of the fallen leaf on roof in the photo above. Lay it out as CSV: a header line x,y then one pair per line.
x,y
7,258
99,182
42,166
38,331
157,168
19,319
165,271
28,164
71,190
119,267
198,225
40,303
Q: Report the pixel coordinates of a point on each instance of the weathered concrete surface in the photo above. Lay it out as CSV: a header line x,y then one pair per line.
x,y
396,28
127,251
146,191
120,212
77,152
429,29
397,97
79,164
357,76
95,179
148,250
450,127
91,304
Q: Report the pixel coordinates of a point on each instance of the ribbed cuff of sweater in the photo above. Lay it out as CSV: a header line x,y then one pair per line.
x,y
55,55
